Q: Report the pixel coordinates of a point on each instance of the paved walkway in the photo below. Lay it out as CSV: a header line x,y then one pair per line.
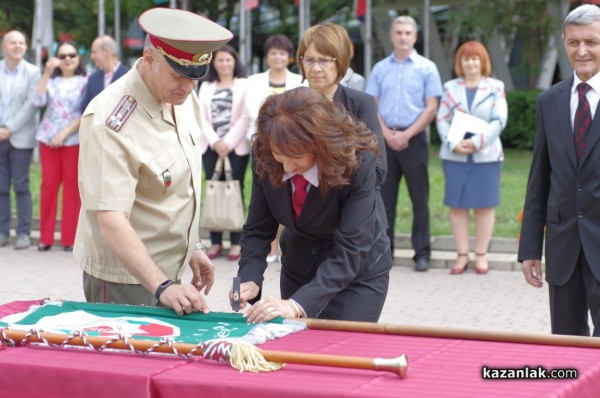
x,y
500,300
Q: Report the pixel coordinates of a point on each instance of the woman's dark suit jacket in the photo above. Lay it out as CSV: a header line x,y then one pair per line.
x,y
339,243
363,107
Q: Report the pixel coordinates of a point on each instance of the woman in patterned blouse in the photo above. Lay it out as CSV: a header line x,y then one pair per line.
x,y
61,91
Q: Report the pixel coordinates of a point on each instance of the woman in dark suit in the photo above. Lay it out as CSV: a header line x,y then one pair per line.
x,y
335,252
324,56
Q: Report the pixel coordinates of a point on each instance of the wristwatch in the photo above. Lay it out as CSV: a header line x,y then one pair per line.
x,y
200,246
162,287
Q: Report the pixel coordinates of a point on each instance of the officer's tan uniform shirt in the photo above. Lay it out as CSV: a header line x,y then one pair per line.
x,y
149,168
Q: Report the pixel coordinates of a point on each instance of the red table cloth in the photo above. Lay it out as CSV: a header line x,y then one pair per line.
x,y
438,367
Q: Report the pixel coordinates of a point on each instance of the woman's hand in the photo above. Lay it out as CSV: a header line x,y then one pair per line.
x,y
465,147
248,290
268,309
51,64
58,140
221,149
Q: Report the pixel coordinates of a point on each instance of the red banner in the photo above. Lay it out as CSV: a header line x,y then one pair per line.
x,y
360,9
251,4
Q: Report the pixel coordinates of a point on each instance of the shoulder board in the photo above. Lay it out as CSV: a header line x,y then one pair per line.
x,y
121,113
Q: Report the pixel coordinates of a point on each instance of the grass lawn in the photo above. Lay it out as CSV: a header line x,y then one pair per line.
x,y
512,195
514,180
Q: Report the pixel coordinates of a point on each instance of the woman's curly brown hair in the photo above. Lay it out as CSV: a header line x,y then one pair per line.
x,y
302,121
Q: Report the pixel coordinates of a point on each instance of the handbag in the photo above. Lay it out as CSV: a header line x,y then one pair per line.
x,y
223,208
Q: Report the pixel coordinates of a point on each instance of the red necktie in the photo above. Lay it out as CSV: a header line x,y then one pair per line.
x,y
583,119
299,195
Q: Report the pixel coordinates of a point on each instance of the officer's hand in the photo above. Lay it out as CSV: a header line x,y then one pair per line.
x,y
184,299
203,271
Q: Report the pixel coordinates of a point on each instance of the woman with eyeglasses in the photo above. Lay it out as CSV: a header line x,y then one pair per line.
x,y
324,55
60,90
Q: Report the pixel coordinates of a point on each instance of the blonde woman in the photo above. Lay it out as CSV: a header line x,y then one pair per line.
x,y
473,166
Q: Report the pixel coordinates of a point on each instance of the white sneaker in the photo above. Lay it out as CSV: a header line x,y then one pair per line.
x,y
3,240
22,242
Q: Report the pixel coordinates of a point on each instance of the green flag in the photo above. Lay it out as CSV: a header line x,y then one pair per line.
x,y
145,323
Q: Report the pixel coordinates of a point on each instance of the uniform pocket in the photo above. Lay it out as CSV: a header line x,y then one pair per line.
x,y
162,175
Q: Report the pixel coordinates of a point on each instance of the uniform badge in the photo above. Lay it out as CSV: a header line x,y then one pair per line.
x,y
121,113
166,176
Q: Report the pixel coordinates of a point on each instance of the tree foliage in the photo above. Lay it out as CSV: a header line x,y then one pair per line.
x,y
78,19
16,15
525,23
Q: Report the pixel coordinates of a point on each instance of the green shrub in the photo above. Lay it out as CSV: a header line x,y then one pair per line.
x,y
520,128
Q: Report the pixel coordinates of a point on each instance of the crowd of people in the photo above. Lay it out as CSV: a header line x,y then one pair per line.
x,y
127,146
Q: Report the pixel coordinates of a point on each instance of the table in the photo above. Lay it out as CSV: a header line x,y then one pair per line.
x,y
438,367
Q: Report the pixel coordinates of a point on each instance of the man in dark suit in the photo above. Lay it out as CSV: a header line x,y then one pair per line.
x,y
105,55
563,192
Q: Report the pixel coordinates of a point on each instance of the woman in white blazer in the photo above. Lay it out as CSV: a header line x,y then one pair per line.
x,y
279,51
472,164
224,123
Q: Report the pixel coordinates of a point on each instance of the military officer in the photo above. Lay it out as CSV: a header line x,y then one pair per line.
x,y
139,172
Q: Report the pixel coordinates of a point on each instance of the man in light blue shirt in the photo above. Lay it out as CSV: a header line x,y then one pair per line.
x,y
407,88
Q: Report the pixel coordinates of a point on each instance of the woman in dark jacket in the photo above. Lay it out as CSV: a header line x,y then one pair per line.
x,y
335,252
324,55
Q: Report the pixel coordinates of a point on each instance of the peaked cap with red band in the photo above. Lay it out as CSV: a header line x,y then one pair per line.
x,y
187,40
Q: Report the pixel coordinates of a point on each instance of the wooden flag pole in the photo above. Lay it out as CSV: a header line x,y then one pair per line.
x,y
398,366
452,333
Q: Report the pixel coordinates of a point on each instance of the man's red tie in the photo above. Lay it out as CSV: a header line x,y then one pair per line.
x,y
583,119
299,195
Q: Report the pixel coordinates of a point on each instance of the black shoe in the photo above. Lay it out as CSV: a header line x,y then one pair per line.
x,y
421,264
44,248
68,248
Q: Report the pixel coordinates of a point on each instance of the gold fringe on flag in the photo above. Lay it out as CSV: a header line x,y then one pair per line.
x,y
246,358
